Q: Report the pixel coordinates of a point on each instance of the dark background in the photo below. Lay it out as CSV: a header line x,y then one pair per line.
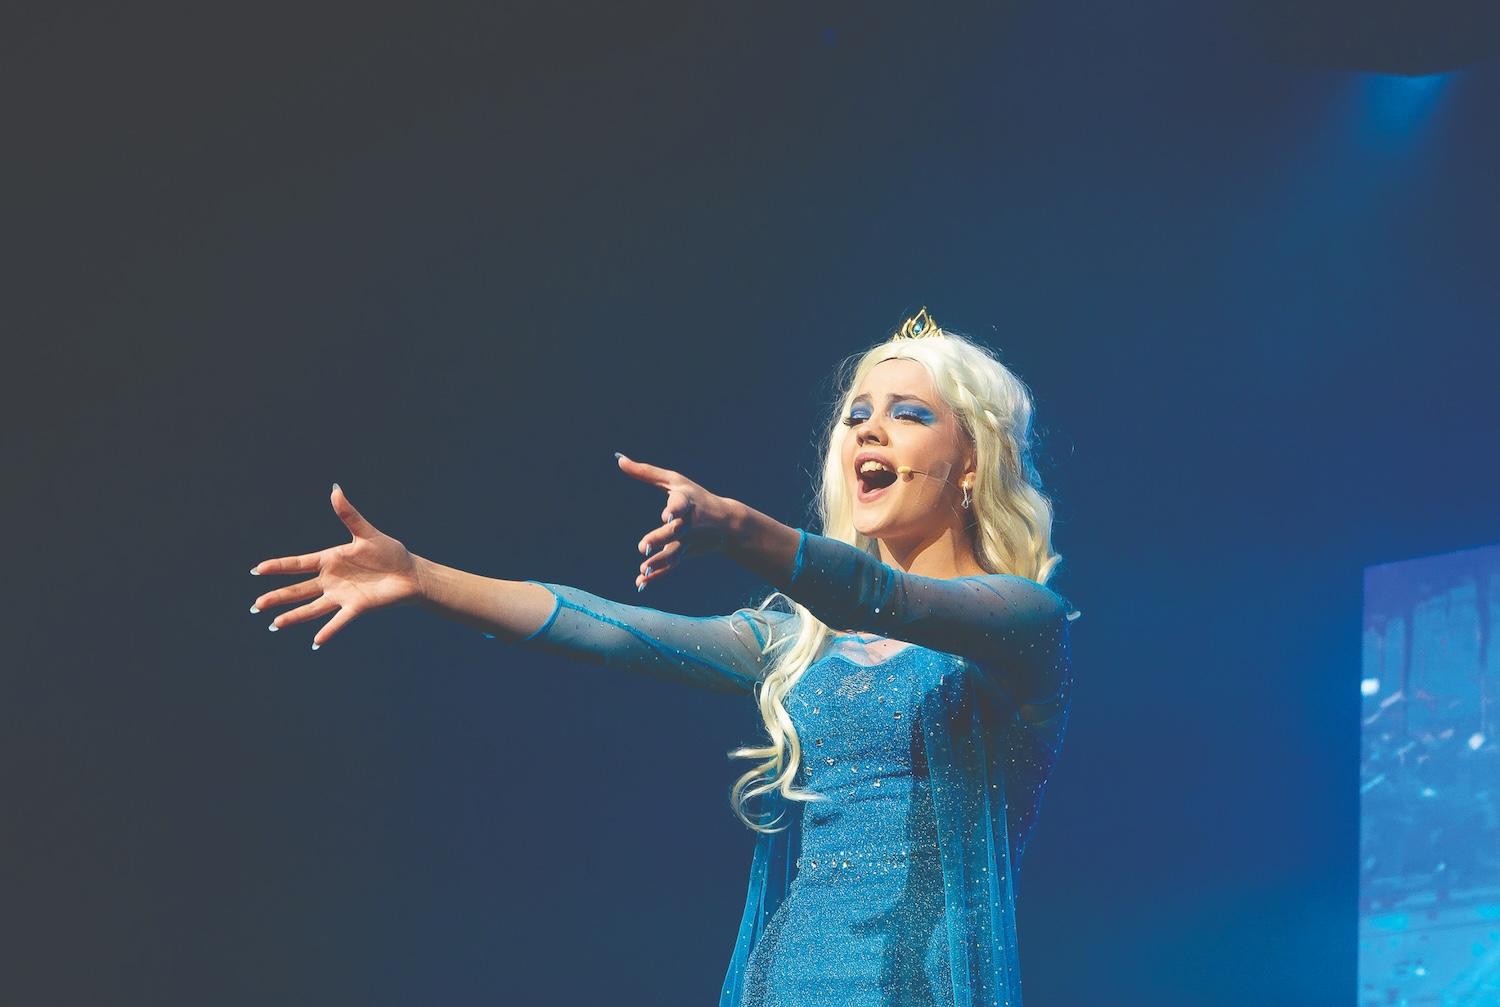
x,y
454,257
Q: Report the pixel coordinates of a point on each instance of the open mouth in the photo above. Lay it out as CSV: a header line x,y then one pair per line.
x,y
874,482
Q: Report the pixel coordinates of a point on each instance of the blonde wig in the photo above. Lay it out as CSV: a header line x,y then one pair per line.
x,y
1010,526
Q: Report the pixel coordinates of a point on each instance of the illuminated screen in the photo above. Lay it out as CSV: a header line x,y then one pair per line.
x,y
1429,873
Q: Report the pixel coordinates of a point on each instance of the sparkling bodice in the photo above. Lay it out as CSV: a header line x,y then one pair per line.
x,y
863,920
857,724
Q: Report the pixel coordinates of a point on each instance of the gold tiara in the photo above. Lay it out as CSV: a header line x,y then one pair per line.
x,y
918,326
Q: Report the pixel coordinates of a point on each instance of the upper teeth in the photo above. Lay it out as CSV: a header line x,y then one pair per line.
x,y
871,465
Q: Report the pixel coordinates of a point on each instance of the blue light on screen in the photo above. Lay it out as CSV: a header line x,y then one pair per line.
x,y
1429,914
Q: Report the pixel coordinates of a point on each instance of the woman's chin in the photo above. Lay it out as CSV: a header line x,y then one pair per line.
x,y
868,520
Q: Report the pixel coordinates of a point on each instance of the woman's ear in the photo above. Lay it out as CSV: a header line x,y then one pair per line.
x,y
970,471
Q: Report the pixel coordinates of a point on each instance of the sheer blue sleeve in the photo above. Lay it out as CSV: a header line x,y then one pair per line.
x,y
725,653
1011,627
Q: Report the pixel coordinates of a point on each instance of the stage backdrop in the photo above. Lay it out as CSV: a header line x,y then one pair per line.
x,y
455,257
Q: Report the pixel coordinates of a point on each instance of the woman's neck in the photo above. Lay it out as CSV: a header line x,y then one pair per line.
x,y
944,554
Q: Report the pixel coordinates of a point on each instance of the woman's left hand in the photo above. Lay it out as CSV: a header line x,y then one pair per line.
x,y
695,521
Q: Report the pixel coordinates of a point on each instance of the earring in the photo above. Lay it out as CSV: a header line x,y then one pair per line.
x,y
966,497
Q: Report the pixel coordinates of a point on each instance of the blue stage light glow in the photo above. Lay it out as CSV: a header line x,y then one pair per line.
x,y
1398,104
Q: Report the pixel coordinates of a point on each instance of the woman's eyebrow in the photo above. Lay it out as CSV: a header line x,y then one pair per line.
x,y
865,396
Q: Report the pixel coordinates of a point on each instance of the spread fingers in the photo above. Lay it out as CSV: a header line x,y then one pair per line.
x,y
286,595
309,611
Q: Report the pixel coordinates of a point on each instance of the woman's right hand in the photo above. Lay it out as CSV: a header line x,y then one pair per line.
x,y
373,571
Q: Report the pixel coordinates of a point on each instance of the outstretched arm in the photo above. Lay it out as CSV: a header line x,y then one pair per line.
x,y
1013,628
374,571
724,653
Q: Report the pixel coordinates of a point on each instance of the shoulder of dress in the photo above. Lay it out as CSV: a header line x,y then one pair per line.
x,y
1044,606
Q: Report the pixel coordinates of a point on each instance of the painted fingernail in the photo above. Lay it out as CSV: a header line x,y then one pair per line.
x,y
316,646
618,456
254,609
640,587
273,627
336,486
255,570
647,571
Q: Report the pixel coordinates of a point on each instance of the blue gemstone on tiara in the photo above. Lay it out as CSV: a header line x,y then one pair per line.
x,y
916,326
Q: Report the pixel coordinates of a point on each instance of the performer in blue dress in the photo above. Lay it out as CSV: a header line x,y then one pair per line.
x,y
912,671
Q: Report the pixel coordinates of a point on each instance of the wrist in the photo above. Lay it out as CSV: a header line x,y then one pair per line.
x,y
737,527
761,544
424,576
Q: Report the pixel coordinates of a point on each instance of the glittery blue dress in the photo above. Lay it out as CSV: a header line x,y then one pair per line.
x,y
930,729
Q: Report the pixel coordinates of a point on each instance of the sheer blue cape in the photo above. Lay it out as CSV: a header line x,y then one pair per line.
x,y
967,740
